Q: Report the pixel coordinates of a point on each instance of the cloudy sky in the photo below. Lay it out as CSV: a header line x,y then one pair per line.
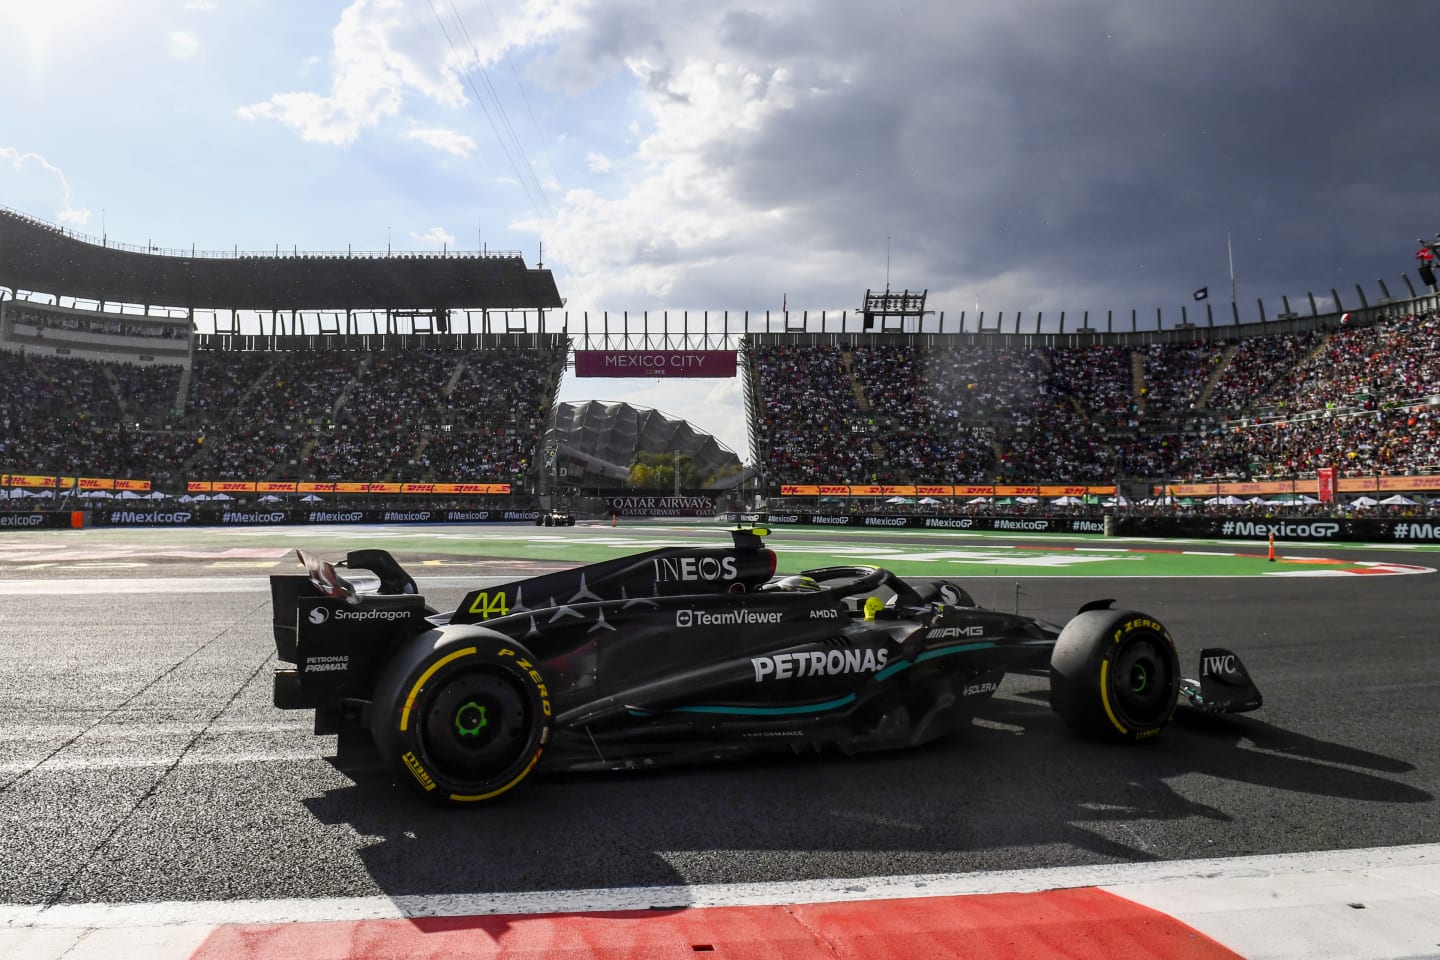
x,y
1021,155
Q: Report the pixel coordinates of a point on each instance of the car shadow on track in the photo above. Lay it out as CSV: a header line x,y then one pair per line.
x,y
1015,790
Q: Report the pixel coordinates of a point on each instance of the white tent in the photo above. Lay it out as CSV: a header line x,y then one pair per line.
x,y
269,498
1263,500
310,498
979,500
1026,500
156,495
220,496
1229,500
127,495
1067,501
929,501
1399,500
1363,502
96,495
1116,501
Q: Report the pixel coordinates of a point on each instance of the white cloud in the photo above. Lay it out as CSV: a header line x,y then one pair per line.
x,y
181,45
597,162
381,51
34,176
447,141
201,6
435,235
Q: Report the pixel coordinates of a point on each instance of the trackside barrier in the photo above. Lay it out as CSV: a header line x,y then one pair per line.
x,y
1383,530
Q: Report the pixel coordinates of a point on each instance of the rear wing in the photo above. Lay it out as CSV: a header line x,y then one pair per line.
x,y
383,583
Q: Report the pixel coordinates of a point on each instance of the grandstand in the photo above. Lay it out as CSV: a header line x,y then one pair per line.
x,y
108,376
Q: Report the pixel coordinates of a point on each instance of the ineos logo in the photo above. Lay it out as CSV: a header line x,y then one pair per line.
x,y
319,615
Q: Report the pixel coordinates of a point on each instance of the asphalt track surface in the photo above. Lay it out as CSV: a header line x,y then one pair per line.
x,y
143,761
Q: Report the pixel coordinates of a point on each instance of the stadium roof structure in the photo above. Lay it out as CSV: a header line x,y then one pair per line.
x,y
40,257
596,442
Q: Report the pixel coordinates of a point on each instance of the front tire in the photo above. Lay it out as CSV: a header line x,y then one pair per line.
x,y
461,719
1115,675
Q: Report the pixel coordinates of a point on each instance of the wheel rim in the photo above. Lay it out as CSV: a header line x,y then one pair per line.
x,y
476,725
1141,682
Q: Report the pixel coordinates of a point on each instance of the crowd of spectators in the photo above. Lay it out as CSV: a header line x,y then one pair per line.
x,y
1277,406
437,416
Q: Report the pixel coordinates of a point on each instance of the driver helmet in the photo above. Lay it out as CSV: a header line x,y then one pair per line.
x,y
795,584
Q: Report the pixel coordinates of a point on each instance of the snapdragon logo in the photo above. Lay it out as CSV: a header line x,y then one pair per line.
x,y
1316,530
23,520
964,523
818,663
885,521
1003,524
276,516
388,616
726,618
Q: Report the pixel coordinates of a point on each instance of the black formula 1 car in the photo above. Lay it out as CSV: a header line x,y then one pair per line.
x,y
686,654
555,518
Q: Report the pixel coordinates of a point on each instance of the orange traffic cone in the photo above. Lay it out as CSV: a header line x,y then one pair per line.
x,y
1272,548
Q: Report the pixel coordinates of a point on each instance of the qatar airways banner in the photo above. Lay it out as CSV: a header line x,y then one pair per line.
x,y
655,363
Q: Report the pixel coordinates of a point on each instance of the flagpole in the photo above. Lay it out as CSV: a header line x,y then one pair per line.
x,y
1231,251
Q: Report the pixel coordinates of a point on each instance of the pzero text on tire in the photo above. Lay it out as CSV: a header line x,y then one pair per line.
x,y
463,719
1115,675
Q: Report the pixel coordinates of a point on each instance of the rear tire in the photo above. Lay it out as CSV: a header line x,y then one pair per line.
x,y
1115,675
461,719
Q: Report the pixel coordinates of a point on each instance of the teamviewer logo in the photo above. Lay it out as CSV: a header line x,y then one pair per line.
x,y
683,618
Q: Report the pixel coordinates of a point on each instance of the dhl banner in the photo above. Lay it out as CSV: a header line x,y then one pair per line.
x,y
72,483
272,486
945,490
1349,485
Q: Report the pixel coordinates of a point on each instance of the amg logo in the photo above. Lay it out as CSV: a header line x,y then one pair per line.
x,y
818,663
946,633
691,569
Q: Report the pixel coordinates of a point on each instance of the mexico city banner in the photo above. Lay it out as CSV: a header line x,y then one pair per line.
x,y
655,363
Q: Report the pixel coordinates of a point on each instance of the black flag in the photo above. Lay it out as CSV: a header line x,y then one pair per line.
x,y
1202,293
